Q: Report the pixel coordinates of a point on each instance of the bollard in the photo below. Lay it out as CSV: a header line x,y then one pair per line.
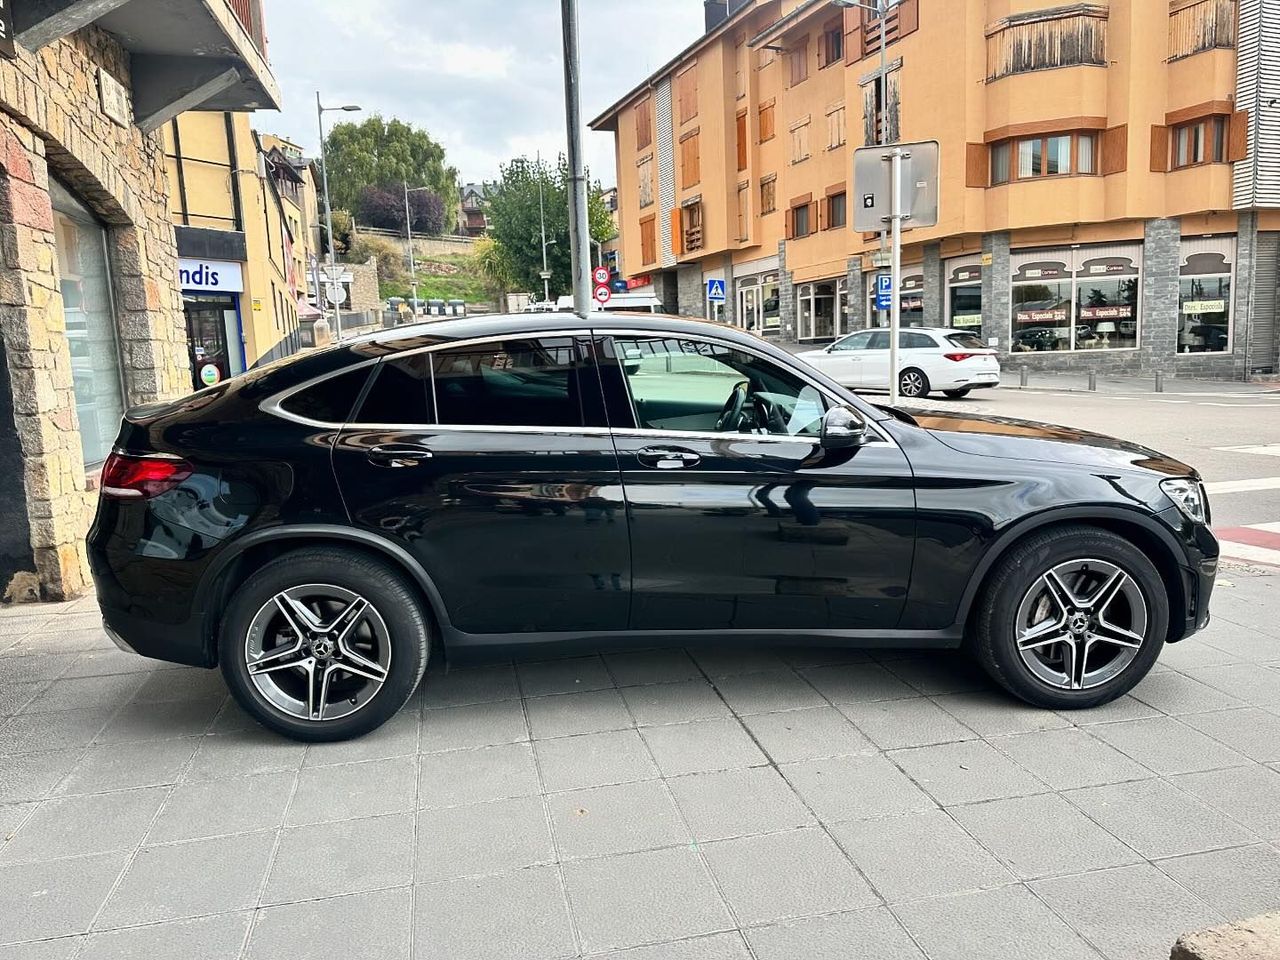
x,y
1093,381
1159,381
1022,376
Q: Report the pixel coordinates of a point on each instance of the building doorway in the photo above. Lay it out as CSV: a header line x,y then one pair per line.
x,y
213,337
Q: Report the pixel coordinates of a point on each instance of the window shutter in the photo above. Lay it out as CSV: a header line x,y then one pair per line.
x,y
742,141
1238,136
852,34
1159,149
677,235
908,17
814,215
977,168
1115,150
791,224
822,214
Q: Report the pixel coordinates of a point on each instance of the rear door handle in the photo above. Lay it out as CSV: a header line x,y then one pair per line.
x,y
668,458
398,455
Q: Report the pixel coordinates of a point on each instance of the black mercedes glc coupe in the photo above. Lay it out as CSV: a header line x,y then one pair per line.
x,y
318,527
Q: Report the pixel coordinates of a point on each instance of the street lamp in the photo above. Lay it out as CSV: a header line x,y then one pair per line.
x,y
546,271
408,227
321,110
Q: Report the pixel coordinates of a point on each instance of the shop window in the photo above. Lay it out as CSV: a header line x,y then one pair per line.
x,y
1202,141
798,62
800,140
837,211
88,306
644,123
1055,155
816,308
648,241
1204,303
767,121
836,132
964,297
759,306
1088,303
644,173
768,194
691,226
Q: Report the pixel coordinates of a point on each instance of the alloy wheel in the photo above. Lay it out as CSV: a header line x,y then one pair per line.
x,y
911,384
1081,624
318,652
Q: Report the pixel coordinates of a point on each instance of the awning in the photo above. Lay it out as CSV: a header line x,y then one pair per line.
x,y
184,54
308,312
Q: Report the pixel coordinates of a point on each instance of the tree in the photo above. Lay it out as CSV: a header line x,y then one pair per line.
x,y
515,229
379,152
489,260
383,207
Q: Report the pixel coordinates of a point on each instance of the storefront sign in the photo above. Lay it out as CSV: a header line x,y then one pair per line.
x,y
987,259
960,321
1106,313
1196,307
966,274
211,276
1042,316
7,48
643,280
210,374
113,97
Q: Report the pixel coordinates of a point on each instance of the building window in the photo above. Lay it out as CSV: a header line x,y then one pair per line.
x,y
1201,25
901,19
644,123
837,211
644,173
88,304
768,194
1201,141
1086,302
836,133
690,161
648,241
766,121
798,61
964,297
687,94
816,311
800,140
802,220
831,49
691,225
759,305
744,222
1055,155
1064,36
1204,299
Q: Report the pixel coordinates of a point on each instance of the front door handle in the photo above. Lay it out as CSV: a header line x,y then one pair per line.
x,y
668,458
398,455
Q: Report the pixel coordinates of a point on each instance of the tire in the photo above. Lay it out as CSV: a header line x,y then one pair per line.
x,y
957,394
267,624
1019,599
913,383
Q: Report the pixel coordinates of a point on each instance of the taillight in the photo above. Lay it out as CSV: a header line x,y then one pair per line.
x,y
959,356
129,477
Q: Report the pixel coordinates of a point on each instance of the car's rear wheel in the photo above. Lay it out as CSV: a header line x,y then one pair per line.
x,y
913,383
957,394
324,644
1072,618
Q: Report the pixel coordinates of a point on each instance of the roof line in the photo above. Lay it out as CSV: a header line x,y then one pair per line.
x,y
648,82
781,26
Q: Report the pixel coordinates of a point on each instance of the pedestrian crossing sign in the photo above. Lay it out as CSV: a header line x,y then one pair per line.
x,y
715,290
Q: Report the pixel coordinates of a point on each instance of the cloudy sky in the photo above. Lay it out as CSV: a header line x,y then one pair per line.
x,y
484,77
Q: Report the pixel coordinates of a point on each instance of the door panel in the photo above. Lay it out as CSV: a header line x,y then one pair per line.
x,y
760,531
521,526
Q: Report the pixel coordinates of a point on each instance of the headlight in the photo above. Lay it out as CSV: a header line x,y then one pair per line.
x,y
1189,496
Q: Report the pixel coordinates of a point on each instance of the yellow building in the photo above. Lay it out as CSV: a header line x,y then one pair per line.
x,y
243,206
1109,193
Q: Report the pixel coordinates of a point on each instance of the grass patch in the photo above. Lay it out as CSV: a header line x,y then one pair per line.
x,y
450,276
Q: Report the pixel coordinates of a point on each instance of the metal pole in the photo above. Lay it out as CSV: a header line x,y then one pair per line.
x,y
542,218
895,312
413,264
328,222
884,113
579,235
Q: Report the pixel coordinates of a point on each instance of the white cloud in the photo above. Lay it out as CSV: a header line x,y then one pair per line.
x,y
484,77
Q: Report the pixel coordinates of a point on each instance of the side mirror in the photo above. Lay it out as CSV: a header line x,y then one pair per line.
x,y
842,429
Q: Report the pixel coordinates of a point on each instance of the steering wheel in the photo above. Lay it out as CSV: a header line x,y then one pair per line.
x,y
769,415
731,414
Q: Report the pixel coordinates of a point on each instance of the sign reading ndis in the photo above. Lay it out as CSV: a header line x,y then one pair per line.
x,y
211,276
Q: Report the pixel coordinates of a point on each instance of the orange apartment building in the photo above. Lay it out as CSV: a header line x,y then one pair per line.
x,y
1110,175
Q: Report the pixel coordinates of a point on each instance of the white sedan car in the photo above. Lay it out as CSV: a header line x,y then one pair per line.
x,y
929,358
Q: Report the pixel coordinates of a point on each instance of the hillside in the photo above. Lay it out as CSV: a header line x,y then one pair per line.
x,y
441,277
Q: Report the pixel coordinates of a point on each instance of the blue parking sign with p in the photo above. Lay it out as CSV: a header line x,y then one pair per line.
x,y
715,290
884,291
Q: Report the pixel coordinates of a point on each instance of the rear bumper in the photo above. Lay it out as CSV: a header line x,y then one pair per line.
x,y
181,643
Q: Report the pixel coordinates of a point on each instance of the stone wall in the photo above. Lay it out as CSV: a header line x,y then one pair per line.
x,y
786,296
690,292
935,286
52,124
365,294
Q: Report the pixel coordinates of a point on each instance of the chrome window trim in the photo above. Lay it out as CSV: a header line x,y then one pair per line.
x,y
272,405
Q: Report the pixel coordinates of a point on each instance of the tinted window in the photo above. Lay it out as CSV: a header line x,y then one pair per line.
x,y
329,401
519,383
879,340
856,341
401,392
694,385
916,341
966,341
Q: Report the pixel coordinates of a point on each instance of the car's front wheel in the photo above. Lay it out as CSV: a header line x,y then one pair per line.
x,y
323,644
1073,617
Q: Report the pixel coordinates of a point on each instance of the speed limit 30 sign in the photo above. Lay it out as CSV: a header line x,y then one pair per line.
x,y
601,275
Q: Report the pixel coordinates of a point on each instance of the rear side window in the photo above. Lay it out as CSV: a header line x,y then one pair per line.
x,y
966,341
331,400
401,394
916,341
540,382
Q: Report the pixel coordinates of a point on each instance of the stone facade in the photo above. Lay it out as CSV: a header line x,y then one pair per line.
x,y
690,291
935,286
365,293
52,125
786,294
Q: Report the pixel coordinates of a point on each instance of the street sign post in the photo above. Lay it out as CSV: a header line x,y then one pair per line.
x,y
336,294
603,294
894,183
715,291
601,275
884,291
